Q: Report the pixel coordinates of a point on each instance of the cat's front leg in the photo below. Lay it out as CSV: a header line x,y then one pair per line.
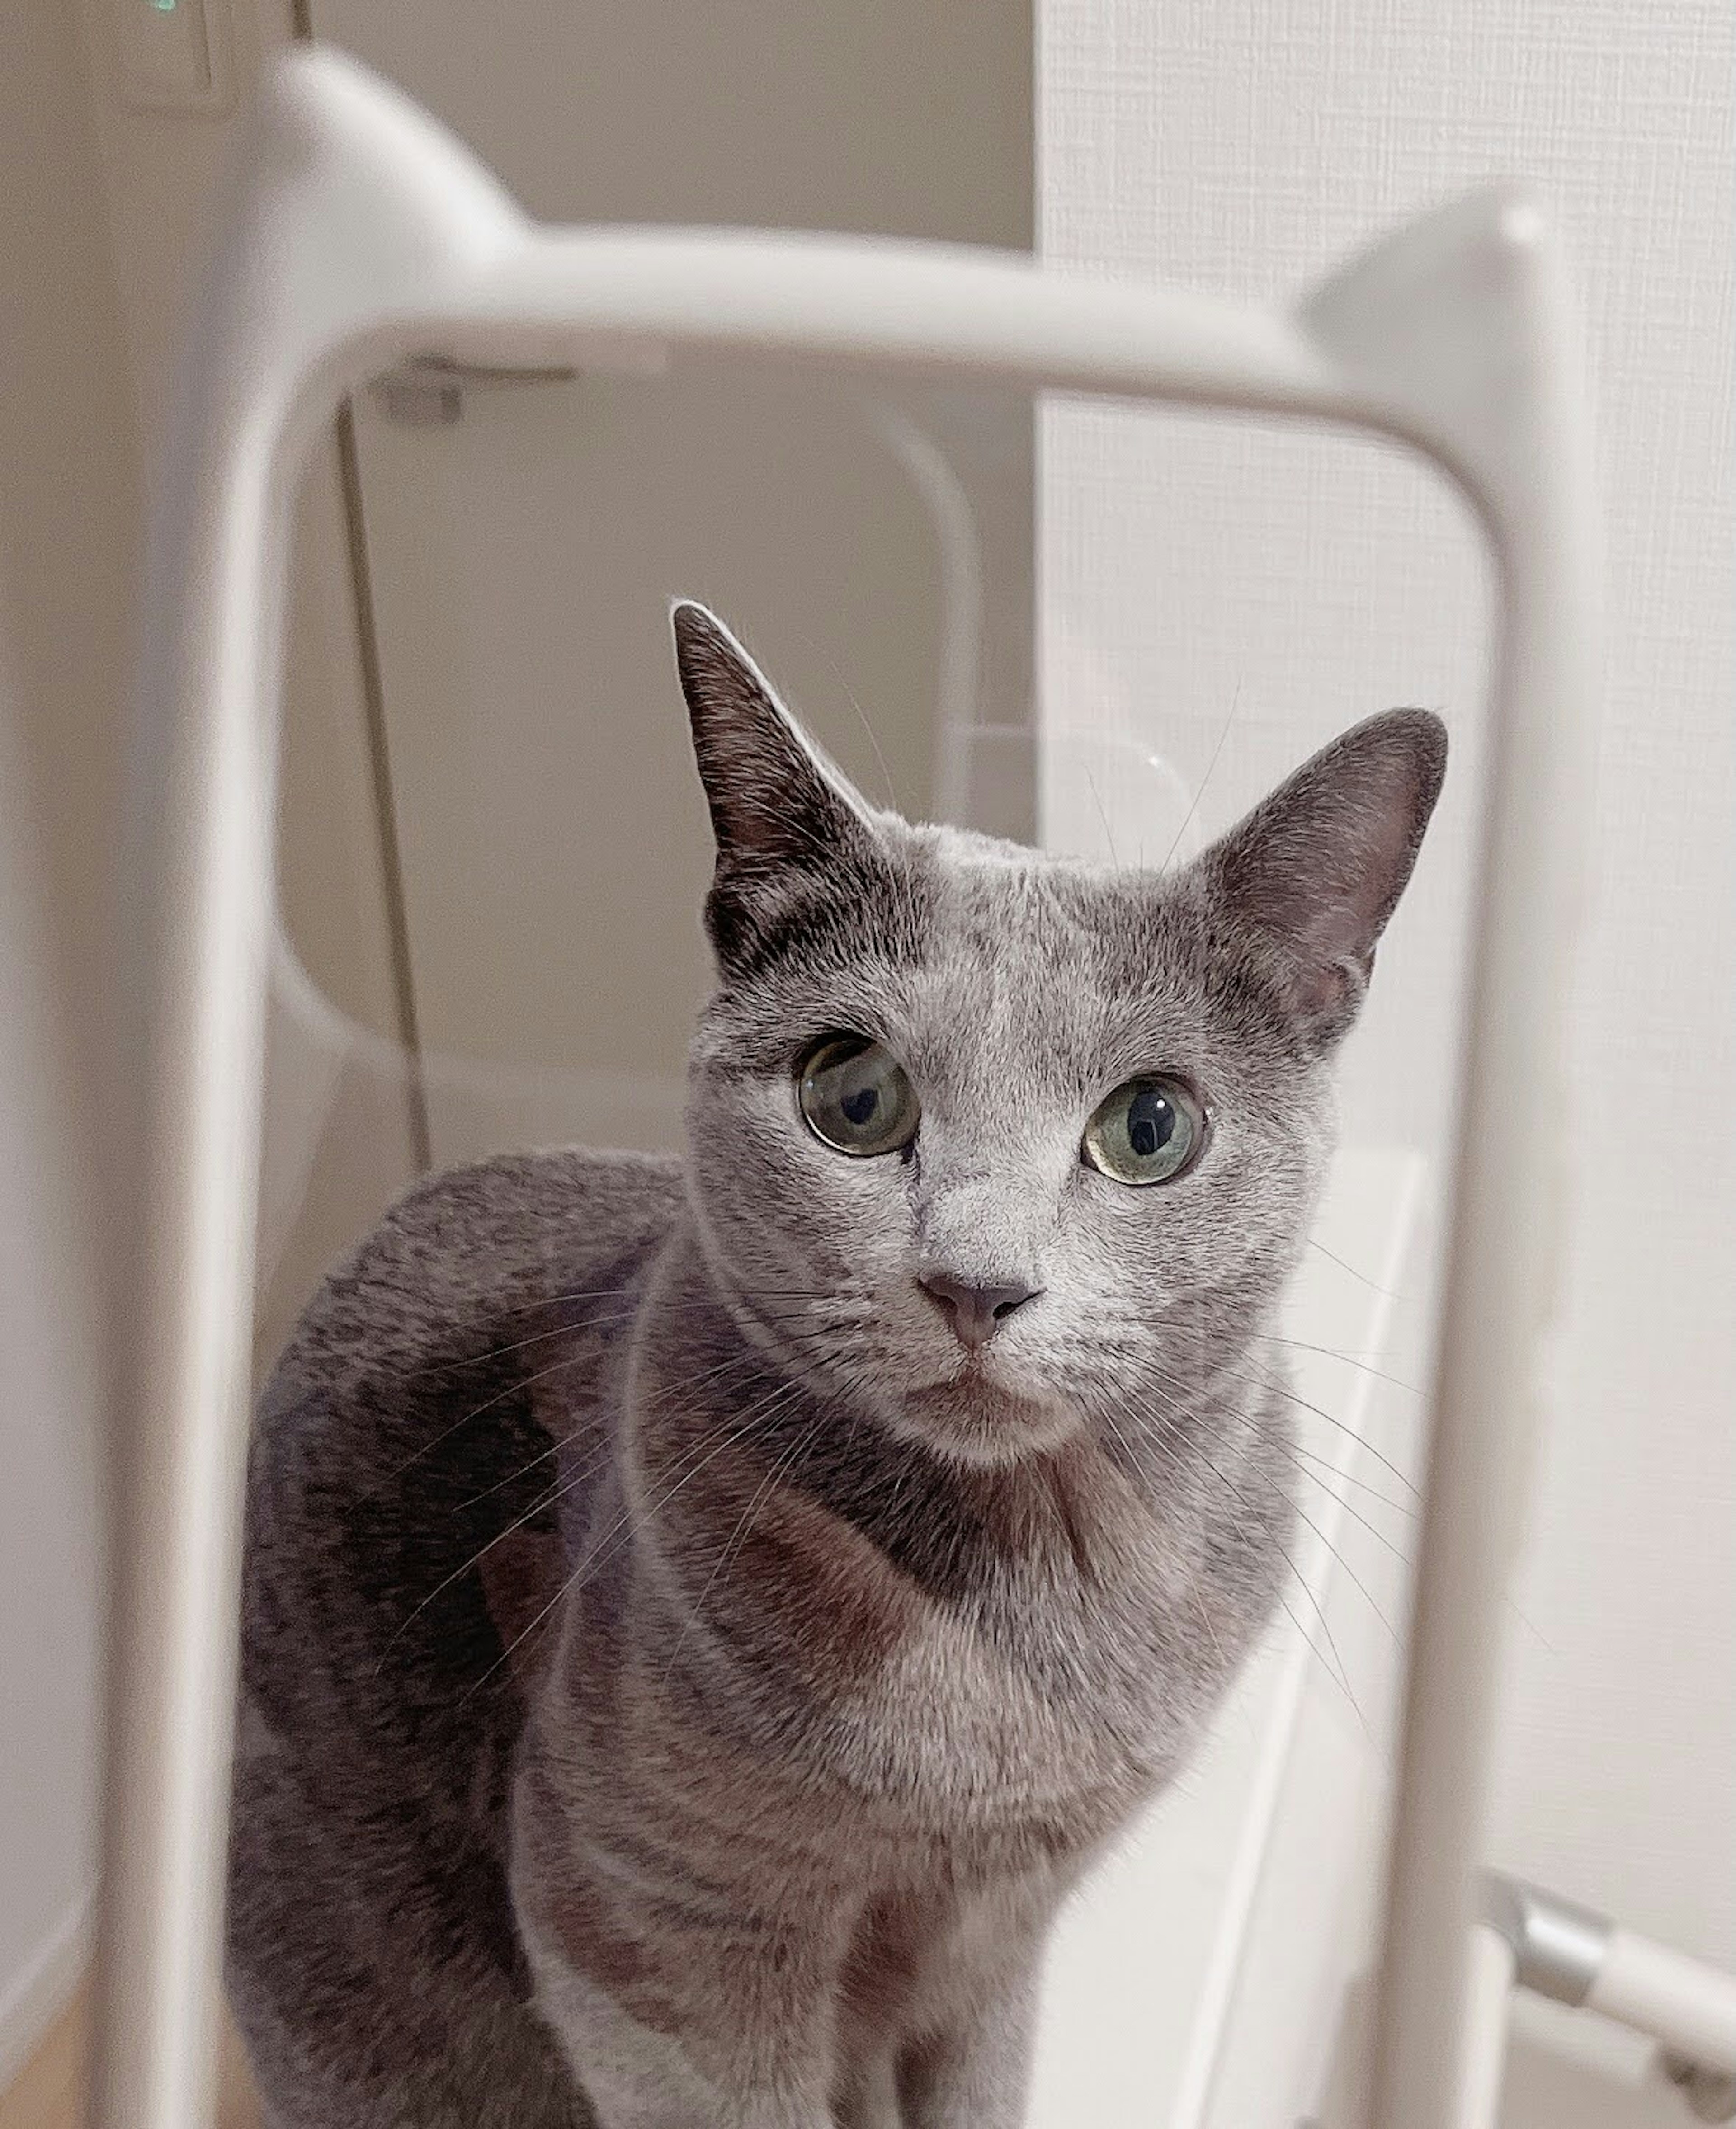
x,y
868,2096
972,2069
705,2036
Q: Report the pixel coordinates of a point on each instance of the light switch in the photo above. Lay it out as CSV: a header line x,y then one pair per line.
x,y
169,58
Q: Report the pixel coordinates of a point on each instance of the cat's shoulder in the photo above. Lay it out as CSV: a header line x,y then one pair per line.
x,y
503,1215
463,1245
569,1193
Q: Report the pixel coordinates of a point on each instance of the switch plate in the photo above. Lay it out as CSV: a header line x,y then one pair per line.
x,y
173,54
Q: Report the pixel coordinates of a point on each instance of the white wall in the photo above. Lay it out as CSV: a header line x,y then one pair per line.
x,y
48,1450
1242,146
68,502
338,1148
102,209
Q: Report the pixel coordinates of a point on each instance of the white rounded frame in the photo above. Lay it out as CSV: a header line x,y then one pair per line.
x,y
359,234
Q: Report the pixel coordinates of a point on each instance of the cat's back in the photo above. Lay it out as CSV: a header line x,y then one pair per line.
x,y
413,1427
465,1249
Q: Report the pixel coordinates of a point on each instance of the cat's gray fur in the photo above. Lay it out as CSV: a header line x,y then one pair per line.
x,y
678,1683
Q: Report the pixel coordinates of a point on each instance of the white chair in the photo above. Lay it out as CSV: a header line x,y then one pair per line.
x,y
358,234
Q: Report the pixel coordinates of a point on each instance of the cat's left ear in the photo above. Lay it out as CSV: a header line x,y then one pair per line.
x,y
1316,871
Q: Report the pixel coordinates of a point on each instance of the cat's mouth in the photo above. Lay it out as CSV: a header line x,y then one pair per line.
x,y
976,1415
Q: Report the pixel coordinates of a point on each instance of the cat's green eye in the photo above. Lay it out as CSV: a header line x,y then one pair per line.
x,y
1147,1131
857,1097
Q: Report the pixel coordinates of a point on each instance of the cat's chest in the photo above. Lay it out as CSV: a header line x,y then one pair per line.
x,y
1041,1710
1026,1667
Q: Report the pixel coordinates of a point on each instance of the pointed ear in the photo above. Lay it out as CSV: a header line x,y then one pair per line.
x,y
777,807
1315,870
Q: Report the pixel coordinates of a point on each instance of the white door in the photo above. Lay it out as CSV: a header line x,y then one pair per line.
x,y
524,538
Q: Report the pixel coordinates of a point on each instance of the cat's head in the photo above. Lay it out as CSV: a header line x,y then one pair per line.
x,y
988,1142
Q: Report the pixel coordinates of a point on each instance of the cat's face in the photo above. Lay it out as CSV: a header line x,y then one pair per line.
x,y
991,1144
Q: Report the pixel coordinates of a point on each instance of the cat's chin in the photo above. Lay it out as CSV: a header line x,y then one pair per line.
x,y
978,1421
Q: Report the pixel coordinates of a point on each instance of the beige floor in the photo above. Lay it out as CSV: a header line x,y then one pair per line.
x,y
50,2091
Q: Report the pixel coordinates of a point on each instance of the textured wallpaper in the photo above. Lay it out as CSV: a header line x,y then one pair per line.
x,y
1223,598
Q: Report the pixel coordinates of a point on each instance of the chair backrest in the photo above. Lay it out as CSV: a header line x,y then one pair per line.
x,y
359,234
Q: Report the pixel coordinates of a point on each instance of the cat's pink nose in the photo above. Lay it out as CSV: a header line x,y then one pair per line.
x,y
976,1312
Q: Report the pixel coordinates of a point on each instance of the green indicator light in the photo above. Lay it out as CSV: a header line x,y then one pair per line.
x,y
165,6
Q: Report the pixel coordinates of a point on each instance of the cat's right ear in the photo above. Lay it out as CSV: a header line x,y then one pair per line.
x,y
779,808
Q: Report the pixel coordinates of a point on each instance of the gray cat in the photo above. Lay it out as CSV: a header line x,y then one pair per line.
x,y
701,1618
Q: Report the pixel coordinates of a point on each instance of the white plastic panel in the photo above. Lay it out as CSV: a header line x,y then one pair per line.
x,y
1200,1979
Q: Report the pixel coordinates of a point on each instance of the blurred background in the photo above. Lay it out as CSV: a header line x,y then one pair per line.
x,y
1106,629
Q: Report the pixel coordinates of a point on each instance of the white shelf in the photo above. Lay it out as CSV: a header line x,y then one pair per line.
x,y
1197,1981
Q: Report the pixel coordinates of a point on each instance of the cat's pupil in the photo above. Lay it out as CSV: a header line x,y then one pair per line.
x,y
861,1106
1150,1123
